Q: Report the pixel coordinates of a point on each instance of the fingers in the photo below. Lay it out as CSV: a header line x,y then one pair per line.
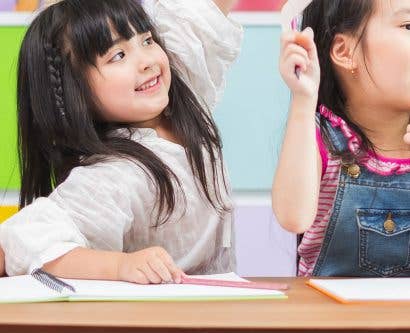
x,y
299,56
287,38
150,273
296,55
175,272
151,265
296,49
160,269
139,277
304,40
292,61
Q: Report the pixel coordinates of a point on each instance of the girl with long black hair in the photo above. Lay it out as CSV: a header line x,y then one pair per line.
x,y
122,176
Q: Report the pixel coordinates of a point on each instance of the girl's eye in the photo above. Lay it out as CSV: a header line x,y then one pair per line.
x,y
407,26
118,57
148,41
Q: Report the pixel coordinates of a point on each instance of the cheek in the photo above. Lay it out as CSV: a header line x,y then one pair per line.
x,y
166,71
109,87
167,79
389,75
382,66
390,69
387,55
108,102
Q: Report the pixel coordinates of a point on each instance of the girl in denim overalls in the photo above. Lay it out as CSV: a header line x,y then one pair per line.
x,y
343,179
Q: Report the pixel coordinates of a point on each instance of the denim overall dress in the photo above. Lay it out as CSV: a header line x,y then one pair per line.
x,y
368,234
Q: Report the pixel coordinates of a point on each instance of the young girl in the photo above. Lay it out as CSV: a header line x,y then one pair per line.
x,y
122,172
344,173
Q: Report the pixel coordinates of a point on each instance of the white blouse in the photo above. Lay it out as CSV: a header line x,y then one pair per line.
x,y
111,205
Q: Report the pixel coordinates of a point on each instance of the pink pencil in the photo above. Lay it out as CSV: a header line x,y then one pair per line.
x,y
235,284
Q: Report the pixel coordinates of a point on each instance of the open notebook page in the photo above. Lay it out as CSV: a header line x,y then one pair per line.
x,y
25,288
113,290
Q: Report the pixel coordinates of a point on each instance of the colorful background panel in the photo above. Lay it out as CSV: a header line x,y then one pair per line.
x,y
243,5
20,5
259,5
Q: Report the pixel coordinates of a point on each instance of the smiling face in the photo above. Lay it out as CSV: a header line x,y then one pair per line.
x,y
131,81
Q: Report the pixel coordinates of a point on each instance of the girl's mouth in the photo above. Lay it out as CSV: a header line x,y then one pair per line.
x,y
149,86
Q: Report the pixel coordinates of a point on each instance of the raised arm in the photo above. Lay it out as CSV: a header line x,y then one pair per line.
x,y
202,42
296,186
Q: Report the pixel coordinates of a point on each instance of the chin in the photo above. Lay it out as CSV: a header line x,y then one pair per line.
x,y
162,105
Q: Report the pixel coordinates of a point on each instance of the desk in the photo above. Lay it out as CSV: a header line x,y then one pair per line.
x,y
305,310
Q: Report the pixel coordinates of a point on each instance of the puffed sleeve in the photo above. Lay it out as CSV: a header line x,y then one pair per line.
x,y
202,41
93,208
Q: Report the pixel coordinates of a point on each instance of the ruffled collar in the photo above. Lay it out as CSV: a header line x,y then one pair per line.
x,y
373,162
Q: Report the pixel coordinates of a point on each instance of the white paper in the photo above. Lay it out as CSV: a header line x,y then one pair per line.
x,y
367,289
26,288
112,290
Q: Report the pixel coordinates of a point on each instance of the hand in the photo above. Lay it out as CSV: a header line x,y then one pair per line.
x,y
298,49
151,265
407,136
2,262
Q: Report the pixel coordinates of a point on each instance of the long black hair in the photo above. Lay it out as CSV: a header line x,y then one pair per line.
x,y
328,18
58,124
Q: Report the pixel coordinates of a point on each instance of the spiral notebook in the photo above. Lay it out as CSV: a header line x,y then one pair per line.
x,y
364,290
43,287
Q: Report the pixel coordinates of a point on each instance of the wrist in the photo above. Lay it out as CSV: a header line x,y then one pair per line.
x,y
304,104
308,99
120,260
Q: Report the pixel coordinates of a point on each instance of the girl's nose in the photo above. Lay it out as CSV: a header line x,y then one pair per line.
x,y
146,63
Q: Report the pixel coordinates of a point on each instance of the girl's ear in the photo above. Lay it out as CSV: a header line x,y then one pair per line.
x,y
342,52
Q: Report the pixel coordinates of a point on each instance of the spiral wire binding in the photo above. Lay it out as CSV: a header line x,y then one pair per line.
x,y
51,281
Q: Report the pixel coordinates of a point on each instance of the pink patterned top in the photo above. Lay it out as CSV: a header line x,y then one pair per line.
x,y
311,244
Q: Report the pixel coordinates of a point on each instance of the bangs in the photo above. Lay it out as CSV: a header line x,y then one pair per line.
x,y
91,25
